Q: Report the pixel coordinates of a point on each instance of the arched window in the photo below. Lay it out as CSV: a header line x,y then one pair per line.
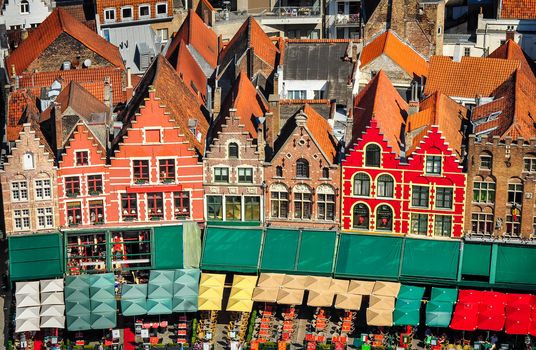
x,y
233,150
302,202
28,161
279,171
279,201
362,185
360,217
515,192
386,186
483,190
384,218
372,155
325,196
325,173
486,160
302,168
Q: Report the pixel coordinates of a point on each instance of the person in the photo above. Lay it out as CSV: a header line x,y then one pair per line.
x,y
494,339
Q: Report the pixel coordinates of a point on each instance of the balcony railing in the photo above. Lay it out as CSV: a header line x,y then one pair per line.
x,y
283,12
347,19
291,11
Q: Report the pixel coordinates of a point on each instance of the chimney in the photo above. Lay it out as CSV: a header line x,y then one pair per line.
x,y
332,110
107,92
260,137
301,118
413,107
510,34
58,127
457,57
272,127
217,101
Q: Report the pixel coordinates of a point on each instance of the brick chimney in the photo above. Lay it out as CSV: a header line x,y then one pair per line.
x,y
413,107
58,127
510,34
273,124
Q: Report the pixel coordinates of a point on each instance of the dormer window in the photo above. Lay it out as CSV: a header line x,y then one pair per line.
x,y
372,155
161,9
82,158
144,11
109,15
24,7
302,168
28,161
127,13
233,150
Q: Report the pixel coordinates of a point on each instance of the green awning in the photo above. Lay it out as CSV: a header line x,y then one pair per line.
x,y
407,312
103,306
476,259
185,304
317,250
280,250
369,256
37,256
186,282
168,247
103,321
515,264
438,313
410,292
234,249
75,308
162,306
134,307
133,291
444,294
430,259
78,322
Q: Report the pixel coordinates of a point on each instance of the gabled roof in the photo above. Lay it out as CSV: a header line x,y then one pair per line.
x,y
510,50
60,21
379,100
518,9
250,35
175,97
389,44
471,77
196,33
191,73
441,111
22,108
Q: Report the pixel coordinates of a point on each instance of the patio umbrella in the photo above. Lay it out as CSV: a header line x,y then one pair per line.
x,y
77,282
133,307
27,325
244,282
24,313
102,294
379,318
444,294
360,287
239,305
52,310
517,319
406,317
80,322
513,299
159,291
133,291
25,288
186,282
27,300
320,299
74,308
241,294
381,302
267,295
162,306
386,289
53,322
185,304
294,282
53,285
212,280
348,301
206,304
270,280
410,292
103,306
102,280
470,296
338,286
103,321
317,283
465,316
438,313
76,295
52,298
210,292
290,296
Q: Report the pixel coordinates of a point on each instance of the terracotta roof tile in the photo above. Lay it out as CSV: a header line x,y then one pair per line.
x,y
510,50
191,73
379,100
22,107
518,9
321,132
302,102
470,77
57,22
403,54
84,15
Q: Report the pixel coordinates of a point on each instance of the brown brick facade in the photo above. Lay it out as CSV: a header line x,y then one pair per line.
x,y
118,4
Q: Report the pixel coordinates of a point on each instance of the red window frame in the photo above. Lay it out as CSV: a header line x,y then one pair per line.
x,y
72,185
96,208
140,169
166,168
181,201
74,210
155,204
94,184
130,210
82,158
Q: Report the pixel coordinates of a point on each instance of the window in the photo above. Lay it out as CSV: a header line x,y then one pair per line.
x,y
21,218
419,196
74,213
140,170
252,208
109,15
372,155
360,217
155,204
144,11
28,161
43,189
94,184
96,212
279,202
133,247
515,193
534,226
82,158
214,208
233,208
302,203
221,174
325,173
166,170
529,164
279,171
442,225
72,186
385,186
444,198
245,175
297,94
483,192
45,218
302,168
129,206
181,202
24,7
106,34
19,191
126,13
419,224
482,223
362,185
162,34
485,161
326,206
233,150
513,224
86,248
384,218
467,51
433,165
161,9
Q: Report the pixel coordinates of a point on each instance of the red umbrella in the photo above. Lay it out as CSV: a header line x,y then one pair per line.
x,y
517,319
465,316
491,319
518,299
469,296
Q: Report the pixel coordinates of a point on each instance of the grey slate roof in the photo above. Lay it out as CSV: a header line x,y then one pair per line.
x,y
133,41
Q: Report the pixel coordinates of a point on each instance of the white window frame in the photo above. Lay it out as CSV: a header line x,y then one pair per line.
x,y
127,19
47,216
159,33
156,9
43,187
15,187
109,20
140,16
21,219
26,4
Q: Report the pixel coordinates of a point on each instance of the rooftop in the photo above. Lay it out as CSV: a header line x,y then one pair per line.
x,y
518,9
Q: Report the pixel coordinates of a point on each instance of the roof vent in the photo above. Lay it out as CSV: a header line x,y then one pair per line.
x,y
66,65
87,63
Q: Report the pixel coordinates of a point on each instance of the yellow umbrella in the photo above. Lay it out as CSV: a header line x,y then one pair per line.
x,y
320,299
381,303
379,318
360,287
348,301
317,283
241,294
294,282
244,282
386,289
271,280
210,292
290,296
212,280
239,305
338,286
267,295
205,304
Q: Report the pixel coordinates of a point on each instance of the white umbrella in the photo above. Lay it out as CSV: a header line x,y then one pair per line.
x,y
53,298
53,322
24,313
28,325
22,288
48,286
27,300
52,310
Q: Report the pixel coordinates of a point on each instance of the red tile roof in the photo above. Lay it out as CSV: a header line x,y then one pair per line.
x,y
510,50
60,21
403,54
22,107
471,77
379,100
82,14
518,9
321,132
191,73
441,111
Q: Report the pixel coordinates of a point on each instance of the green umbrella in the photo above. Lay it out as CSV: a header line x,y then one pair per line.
x,y
133,291
80,322
76,295
77,282
103,321
407,304
102,294
134,307
186,278
185,304
74,308
160,291
438,313
410,292
103,306
159,306
103,280
161,276
444,294
408,317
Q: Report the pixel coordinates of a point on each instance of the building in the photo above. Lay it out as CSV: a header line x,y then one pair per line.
x,y
403,171
24,14
344,19
234,173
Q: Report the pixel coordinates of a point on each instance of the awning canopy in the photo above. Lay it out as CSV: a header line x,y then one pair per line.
x,y
52,310
517,319
469,296
53,285
27,325
348,301
103,321
491,311
163,306
27,294
410,292
289,296
270,280
35,256
27,300
98,293
465,317
476,259
438,313
103,306
294,282
244,282
524,260
76,282
317,283
361,287
76,295
53,322
430,259
379,318
80,307
339,286
101,281
239,305
211,292
320,298
79,322
386,289
52,298
267,295
133,291
240,294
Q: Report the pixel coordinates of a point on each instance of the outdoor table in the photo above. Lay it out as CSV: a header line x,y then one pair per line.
x,y
181,332
263,333
154,325
320,325
265,326
311,345
182,325
287,327
265,319
321,339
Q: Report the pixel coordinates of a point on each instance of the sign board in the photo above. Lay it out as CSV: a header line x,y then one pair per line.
x,y
116,334
144,333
